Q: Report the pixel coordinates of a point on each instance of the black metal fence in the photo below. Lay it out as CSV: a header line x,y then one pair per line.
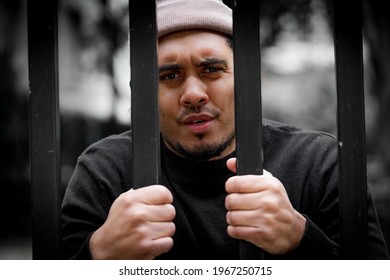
x,y
44,114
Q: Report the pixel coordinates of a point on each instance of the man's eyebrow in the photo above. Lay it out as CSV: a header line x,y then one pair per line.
x,y
205,62
169,67
212,61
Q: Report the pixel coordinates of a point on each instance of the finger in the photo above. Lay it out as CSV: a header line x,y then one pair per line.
x,y
161,240
152,195
244,232
158,213
161,229
231,164
244,218
243,201
248,183
160,246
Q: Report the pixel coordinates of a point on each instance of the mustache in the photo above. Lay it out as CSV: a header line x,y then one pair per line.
x,y
185,112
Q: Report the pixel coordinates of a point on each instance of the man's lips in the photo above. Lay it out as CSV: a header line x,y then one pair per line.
x,y
197,119
198,123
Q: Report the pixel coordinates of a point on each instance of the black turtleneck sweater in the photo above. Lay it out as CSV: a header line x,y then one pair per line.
x,y
199,195
305,162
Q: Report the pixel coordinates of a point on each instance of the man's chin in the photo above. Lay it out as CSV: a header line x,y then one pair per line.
x,y
204,152
200,154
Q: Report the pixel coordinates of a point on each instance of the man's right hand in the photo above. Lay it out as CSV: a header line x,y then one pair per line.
x,y
139,226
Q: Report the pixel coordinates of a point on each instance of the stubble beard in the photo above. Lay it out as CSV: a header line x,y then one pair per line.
x,y
203,151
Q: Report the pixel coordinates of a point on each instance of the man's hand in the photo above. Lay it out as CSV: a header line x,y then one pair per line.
x,y
139,226
259,211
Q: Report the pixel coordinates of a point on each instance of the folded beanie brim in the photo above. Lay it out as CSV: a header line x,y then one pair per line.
x,y
180,15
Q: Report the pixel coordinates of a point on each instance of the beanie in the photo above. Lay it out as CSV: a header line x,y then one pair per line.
x,y
179,15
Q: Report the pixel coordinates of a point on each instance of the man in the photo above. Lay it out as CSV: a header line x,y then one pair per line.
x,y
202,208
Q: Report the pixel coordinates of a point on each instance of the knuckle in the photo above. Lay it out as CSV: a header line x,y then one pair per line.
x,y
232,218
163,247
173,211
229,217
232,184
235,232
231,231
275,185
271,204
229,202
170,211
145,248
139,214
165,194
125,199
141,234
172,229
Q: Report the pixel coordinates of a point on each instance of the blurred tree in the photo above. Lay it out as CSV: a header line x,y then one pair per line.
x,y
377,33
14,181
102,29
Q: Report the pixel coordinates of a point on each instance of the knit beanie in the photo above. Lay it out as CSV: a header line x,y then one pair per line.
x,y
179,15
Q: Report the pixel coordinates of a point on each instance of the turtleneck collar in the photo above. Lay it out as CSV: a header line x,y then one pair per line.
x,y
195,174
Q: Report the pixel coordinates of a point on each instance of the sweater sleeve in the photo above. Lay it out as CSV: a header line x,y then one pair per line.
x,y
316,245
82,212
322,237
100,176
321,247
307,165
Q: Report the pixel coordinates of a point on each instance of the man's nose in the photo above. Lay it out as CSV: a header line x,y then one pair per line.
x,y
194,93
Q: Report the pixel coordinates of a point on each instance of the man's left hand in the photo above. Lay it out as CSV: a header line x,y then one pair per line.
x,y
259,211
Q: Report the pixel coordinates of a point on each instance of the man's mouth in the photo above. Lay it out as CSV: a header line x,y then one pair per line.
x,y
197,119
198,123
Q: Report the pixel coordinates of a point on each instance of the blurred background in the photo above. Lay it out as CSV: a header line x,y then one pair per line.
x,y
298,87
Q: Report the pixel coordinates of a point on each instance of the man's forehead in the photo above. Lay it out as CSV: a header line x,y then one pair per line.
x,y
196,45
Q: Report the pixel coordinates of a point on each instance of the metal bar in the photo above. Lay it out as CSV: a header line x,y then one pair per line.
x,y
248,113
351,129
144,86
44,128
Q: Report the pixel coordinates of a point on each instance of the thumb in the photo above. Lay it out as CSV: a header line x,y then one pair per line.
x,y
231,164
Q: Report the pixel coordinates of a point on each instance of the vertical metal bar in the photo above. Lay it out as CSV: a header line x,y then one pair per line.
x,y
248,113
44,128
144,86
351,129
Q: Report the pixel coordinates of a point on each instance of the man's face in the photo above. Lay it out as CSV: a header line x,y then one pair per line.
x,y
196,94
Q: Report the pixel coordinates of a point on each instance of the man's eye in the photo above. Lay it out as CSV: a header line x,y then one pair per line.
x,y
170,76
212,69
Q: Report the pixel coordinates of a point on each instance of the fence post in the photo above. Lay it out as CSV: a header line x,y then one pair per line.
x,y
44,128
351,129
247,90
144,86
